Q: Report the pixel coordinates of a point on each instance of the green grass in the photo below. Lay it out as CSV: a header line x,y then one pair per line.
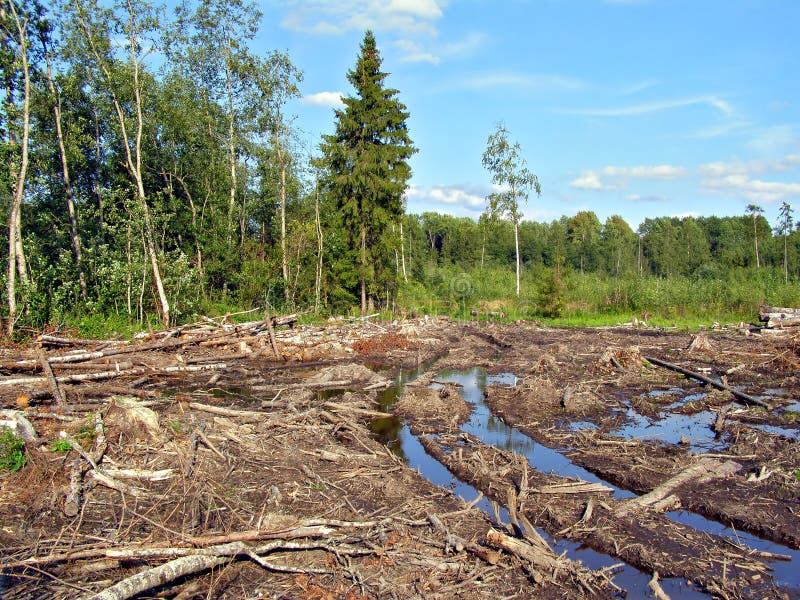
x,y
61,446
12,451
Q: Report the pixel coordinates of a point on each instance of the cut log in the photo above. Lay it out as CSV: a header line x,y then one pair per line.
x,y
742,397
703,470
538,557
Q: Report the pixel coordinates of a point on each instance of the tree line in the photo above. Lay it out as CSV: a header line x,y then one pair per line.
x,y
662,246
153,171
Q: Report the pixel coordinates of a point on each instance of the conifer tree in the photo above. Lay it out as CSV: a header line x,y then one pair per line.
x,y
367,165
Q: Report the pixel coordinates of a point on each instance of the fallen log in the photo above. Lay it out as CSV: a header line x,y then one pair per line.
x,y
538,557
703,470
745,398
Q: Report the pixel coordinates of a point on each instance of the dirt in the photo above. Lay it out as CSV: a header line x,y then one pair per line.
x,y
274,474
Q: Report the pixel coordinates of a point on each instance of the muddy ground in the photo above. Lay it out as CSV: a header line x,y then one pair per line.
x,y
214,466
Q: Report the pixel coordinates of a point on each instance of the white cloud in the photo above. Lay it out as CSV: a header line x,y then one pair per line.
x,y
426,9
331,99
612,177
330,17
645,172
455,199
587,181
435,52
653,107
536,81
753,167
741,185
646,198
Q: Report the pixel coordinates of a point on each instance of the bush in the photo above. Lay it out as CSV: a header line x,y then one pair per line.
x,y
12,451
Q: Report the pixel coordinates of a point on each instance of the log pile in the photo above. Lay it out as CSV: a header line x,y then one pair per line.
x,y
777,317
65,369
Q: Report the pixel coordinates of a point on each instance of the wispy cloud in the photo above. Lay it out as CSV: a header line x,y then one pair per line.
x,y
737,179
639,86
774,139
652,107
330,99
330,17
435,52
516,79
646,198
611,177
752,167
756,190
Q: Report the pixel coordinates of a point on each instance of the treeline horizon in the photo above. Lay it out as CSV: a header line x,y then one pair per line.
x,y
141,195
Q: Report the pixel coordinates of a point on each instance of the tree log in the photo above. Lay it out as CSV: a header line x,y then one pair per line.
x,y
742,397
704,469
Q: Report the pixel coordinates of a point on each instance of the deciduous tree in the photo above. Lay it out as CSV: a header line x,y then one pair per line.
x,y
509,170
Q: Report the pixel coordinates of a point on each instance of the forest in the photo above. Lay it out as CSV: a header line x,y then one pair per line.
x,y
153,174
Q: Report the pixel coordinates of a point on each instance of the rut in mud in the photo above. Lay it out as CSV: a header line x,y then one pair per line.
x,y
267,478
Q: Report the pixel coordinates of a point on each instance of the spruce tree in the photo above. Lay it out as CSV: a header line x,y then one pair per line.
x,y
367,160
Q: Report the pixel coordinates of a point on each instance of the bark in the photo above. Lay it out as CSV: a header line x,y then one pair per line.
x,y
230,141
133,158
704,469
363,269
403,252
282,199
318,275
68,192
516,250
16,253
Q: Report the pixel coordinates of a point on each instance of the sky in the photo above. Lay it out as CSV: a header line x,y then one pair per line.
x,y
640,108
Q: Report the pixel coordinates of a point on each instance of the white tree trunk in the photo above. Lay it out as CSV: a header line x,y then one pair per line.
x,y
516,249
16,255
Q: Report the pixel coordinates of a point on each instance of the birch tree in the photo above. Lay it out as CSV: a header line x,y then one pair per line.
x,y
509,170
139,22
15,31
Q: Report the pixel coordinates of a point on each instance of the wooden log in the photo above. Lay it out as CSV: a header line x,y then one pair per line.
x,y
56,391
271,333
742,397
702,470
229,412
767,312
538,557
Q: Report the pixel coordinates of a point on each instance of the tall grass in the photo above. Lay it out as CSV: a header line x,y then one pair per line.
x,y
594,299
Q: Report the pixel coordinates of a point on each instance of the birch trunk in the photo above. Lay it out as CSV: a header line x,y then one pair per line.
x,y
71,210
16,254
318,278
516,249
403,252
133,158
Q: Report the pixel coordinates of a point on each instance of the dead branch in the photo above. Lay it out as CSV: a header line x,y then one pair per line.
x,y
746,399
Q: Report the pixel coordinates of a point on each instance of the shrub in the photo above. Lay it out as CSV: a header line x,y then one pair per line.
x,y
12,451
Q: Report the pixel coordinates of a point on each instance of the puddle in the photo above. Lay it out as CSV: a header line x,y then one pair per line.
x,y
491,430
673,428
397,436
777,430
784,572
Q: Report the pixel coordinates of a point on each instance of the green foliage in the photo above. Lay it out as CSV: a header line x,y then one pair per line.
x,y
367,168
12,451
61,446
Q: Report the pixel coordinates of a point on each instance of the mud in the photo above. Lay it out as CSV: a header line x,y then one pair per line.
x,y
310,444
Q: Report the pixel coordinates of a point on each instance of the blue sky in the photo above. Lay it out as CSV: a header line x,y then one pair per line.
x,y
640,108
